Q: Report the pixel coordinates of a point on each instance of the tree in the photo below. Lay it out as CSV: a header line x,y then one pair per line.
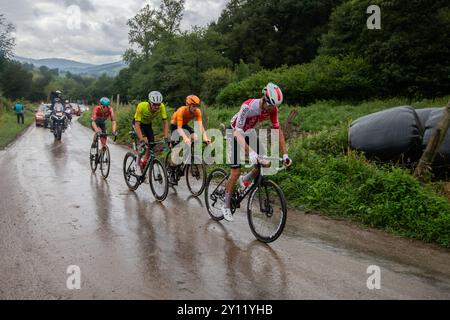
x,y
142,33
122,82
15,80
177,65
7,42
273,32
170,15
149,26
409,56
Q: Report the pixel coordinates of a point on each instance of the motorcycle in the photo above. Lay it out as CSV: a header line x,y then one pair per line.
x,y
47,114
58,121
68,112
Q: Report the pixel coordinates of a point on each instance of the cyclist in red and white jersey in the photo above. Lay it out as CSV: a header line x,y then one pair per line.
x,y
252,112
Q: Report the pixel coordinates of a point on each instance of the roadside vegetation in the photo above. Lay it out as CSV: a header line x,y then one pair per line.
x,y
9,128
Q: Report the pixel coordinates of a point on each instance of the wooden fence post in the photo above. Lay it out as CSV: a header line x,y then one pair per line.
x,y
204,116
288,125
437,137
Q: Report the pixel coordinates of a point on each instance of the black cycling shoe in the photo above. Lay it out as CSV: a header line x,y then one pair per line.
x,y
171,175
173,181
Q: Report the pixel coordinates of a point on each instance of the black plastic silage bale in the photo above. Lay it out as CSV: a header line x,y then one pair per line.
x,y
423,115
387,134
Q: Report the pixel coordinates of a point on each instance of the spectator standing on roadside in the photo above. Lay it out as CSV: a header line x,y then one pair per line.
x,y
19,109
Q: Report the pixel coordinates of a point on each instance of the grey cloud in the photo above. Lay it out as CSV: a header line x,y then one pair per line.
x,y
17,10
85,5
43,33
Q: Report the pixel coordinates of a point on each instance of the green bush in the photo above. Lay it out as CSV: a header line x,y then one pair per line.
x,y
322,79
4,104
215,80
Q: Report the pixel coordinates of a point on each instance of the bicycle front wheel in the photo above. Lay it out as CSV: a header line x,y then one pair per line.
x,y
267,211
159,183
169,168
130,171
215,190
196,177
93,156
105,162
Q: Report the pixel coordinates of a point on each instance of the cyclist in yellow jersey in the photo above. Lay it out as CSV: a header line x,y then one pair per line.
x,y
146,113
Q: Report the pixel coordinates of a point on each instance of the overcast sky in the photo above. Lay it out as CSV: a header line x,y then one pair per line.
x,y
46,29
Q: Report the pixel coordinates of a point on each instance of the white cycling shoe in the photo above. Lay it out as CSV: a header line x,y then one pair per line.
x,y
226,212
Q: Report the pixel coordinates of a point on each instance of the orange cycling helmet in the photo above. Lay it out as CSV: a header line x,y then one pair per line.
x,y
192,100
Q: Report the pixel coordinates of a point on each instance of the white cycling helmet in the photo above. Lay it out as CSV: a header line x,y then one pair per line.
x,y
272,94
155,97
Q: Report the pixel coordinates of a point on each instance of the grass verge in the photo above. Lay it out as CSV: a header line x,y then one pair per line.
x,y
10,129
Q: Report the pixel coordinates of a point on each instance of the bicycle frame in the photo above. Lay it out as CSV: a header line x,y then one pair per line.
x,y
150,161
102,138
182,167
237,197
258,181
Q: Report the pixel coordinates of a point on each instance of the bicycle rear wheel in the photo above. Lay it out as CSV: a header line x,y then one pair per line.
x,y
130,171
169,168
215,189
159,182
267,211
196,177
93,156
105,162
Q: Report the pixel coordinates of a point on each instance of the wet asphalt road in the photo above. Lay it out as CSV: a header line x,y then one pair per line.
x,y
54,213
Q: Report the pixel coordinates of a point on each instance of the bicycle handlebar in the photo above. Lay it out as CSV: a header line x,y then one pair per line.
x,y
104,135
172,144
269,159
156,143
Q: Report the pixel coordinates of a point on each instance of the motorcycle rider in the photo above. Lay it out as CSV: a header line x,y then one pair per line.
x,y
56,97
68,110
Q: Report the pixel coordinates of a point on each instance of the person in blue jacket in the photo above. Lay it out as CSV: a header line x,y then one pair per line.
x,y
19,109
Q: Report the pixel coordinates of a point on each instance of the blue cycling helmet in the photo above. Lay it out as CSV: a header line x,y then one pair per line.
x,y
105,101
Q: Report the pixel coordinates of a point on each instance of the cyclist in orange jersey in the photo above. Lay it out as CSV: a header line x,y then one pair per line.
x,y
184,115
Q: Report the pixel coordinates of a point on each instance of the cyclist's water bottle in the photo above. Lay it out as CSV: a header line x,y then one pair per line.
x,y
143,162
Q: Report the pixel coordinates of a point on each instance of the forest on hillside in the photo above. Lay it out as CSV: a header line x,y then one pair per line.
x,y
314,49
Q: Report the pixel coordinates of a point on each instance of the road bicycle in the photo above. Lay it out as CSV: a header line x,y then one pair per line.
x,y
101,155
195,172
266,207
158,179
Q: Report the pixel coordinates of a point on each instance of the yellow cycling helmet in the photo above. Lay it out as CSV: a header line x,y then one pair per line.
x,y
192,100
